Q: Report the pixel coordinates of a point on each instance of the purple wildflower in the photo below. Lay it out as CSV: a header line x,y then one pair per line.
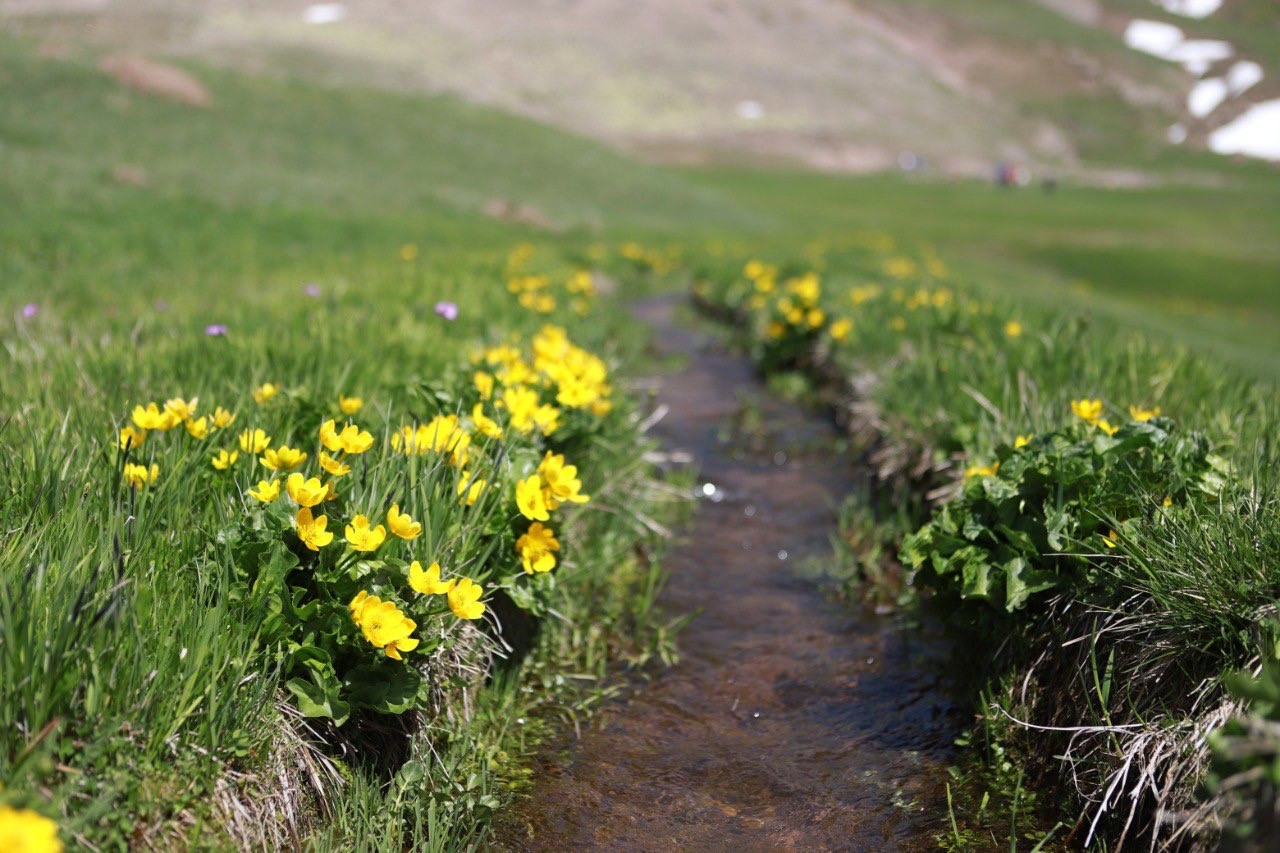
x,y
447,310
30,310
312,290
215,330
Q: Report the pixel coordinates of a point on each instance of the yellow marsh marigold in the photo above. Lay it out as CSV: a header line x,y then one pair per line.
x,y
264,392
530,499
1143,415
537,549
223,419
815,317
383,625
428,582
520,403
312,531
180,408
198,427
1106,427
560,483
484,384
469,490
254,441
26,831
363,538
304,492
1013,329
484,424
350,405
464,599
283,458
131,438
266,492
1088,411
401,524
224,460
840,329
140,475
547,419
1022,441
333,466
351,440
982,470
151,418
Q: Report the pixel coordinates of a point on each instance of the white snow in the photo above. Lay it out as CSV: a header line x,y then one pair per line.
x,y
1167,42
324,13
1256,133
1206,95
1190,8
1243,76
750,110
1154,37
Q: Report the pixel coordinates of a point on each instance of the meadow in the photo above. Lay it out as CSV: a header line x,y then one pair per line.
x,y
178,637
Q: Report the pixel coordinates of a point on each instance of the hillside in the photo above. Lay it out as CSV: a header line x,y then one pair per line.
x,y
833,85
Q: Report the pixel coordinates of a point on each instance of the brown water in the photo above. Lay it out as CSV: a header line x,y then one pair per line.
x,y
789,721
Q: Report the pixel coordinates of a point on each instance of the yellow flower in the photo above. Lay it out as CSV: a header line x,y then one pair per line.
x,y
1168,501
815,317
982,470
1022,441
485,425
484,384
1110,539
198,427
223,419
351,440
468,491
333,466
131,438
383,625
408,252
560,482
840,329
26,831
254,441
898,324
1013,329
428,582
775,330
537,549
401,524
311,530
266,492
520,404
225,460
1106,427
361,537
1088,411
530,500
350,405
464,599
547,417
180,408
283,458
1143,415
304,492
152,418
265,391
330,491
140,475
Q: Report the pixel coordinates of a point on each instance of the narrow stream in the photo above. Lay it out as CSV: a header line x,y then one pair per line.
x,y
790,722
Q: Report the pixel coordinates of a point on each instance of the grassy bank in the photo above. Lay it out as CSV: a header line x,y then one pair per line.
x,y
1092,510
190,647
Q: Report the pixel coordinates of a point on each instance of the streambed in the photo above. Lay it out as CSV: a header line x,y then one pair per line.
x,y
790,721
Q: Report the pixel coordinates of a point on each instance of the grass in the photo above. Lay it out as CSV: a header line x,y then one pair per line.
x,y
144,698
1115,570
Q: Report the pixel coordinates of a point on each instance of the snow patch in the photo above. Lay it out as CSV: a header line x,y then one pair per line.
x,y
1243,76
1190,8
1206,96
1256,133
1167,42
325,13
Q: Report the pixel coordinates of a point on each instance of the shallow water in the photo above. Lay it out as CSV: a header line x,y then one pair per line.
x,y
789,721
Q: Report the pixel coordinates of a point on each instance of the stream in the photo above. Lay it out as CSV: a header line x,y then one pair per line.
x,y
790,721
